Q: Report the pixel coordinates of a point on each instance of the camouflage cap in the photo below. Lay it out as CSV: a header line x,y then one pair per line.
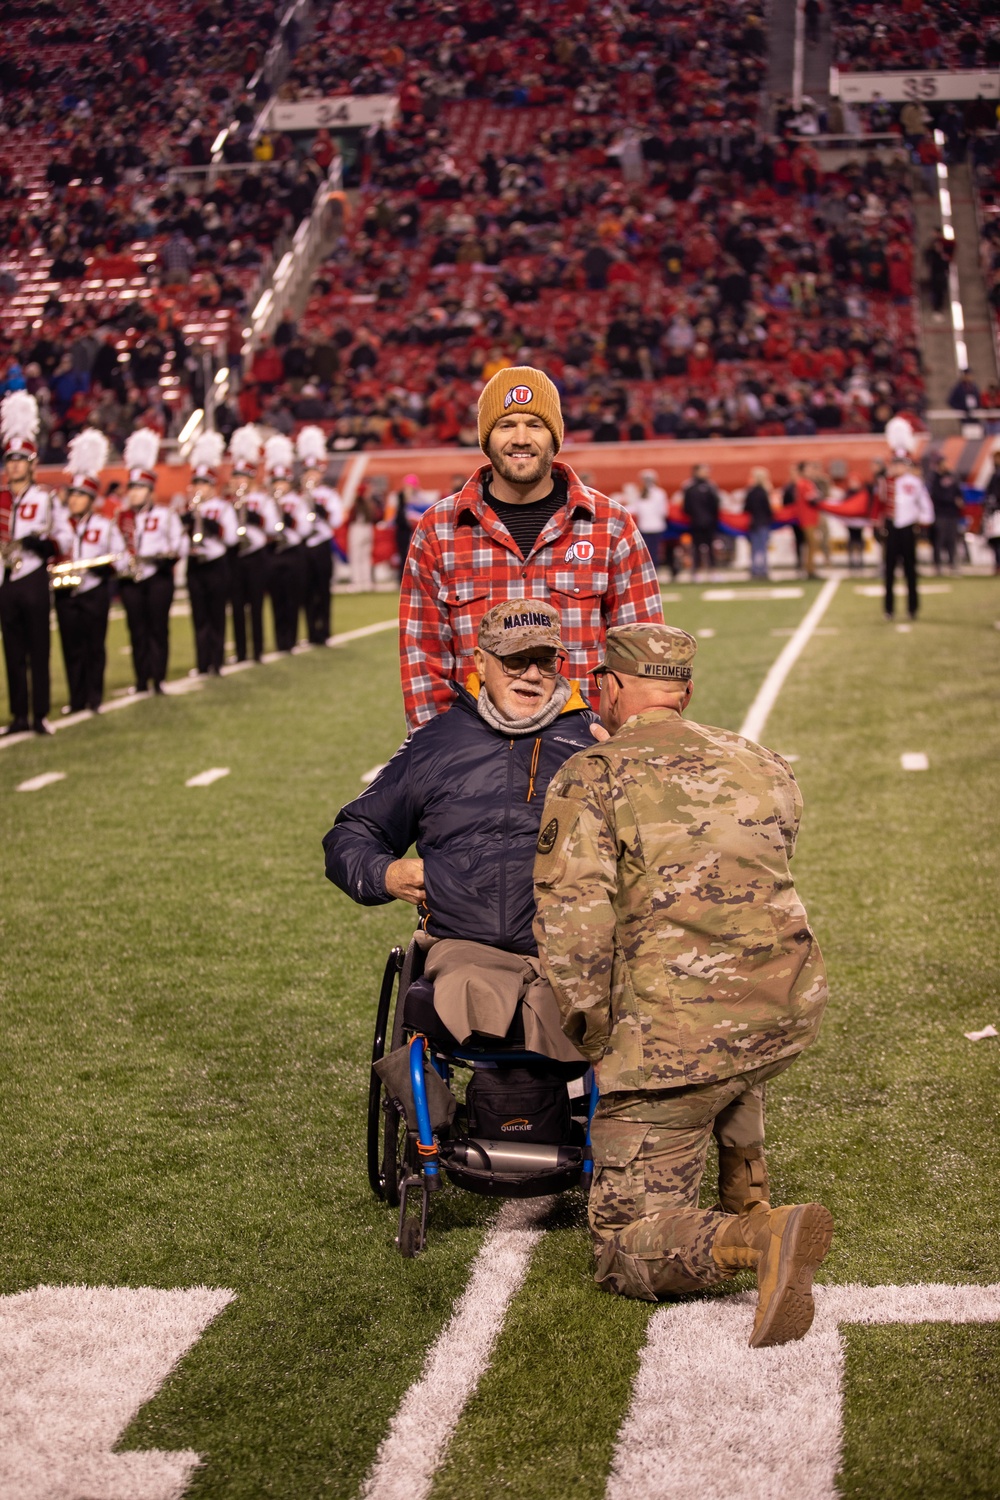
x,y
518,625
660,652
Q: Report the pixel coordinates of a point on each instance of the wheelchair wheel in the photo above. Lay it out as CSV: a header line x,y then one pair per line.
x,y
395,1150
377,1157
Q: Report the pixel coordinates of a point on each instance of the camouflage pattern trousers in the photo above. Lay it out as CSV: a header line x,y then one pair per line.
x,y
650,1236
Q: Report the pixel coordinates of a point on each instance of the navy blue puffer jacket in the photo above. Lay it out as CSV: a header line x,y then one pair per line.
x,y
471,798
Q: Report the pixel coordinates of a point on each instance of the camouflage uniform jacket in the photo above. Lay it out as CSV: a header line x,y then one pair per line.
x,y
668,924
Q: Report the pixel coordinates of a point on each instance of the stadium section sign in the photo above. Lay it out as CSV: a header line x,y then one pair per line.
x,y
350,112
865,88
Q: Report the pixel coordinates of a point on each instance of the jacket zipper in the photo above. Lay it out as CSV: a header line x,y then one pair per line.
x,y
505,842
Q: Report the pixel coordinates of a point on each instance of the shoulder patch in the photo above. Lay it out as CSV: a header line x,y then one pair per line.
x,y
547,837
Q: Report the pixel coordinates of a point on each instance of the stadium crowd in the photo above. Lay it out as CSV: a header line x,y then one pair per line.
x,y
614,211
117,267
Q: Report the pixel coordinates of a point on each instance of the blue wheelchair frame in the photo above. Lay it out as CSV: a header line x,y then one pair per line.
x,y
424,1165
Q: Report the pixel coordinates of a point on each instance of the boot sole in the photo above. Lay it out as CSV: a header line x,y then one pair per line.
x,y
791,1309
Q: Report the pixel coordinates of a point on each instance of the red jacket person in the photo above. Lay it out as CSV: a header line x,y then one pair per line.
x,y
522,525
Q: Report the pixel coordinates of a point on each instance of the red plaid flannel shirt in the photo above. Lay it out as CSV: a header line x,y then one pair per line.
x,y
589,561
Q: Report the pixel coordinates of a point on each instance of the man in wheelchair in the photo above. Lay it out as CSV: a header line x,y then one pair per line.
x,y
468,789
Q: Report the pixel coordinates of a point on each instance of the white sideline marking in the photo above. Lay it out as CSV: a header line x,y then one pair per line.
x,y
914,760
35,783
235,666
791,759
877,590
728,596
980,1036
706,635
418,1436
76,1364
369,776
757,714
361,632
123,697
903,629
712,1418
205,778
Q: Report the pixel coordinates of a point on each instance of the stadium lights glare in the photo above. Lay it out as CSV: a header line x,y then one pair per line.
x,y
220,139
222,375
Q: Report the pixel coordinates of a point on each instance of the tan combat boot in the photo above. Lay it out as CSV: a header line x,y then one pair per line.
x,y
784,1246
742,1178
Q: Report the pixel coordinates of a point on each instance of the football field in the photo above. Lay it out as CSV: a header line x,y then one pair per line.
x,y
187,1019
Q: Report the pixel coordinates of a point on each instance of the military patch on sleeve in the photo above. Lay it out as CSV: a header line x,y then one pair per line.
x,y
547,837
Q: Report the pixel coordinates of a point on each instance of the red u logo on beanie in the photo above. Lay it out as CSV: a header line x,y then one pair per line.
x,y
519,395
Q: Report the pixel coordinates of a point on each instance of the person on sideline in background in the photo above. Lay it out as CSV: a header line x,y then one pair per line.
x,y
647,505
908,506
946,498
683,963
701,506
361,520
757,505
523,524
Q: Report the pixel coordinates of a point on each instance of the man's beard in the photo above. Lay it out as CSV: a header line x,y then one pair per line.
x,y
520,475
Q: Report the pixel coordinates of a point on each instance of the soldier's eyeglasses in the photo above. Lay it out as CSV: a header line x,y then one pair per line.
x,y
599,674
516,666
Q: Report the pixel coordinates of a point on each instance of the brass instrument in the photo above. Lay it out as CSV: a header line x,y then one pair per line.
x,y
12,556
69,575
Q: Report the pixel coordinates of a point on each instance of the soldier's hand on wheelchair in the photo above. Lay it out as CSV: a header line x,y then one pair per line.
x,y
404,879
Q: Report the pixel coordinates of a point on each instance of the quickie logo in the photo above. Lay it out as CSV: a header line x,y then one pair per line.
x,y
519,1124
518,395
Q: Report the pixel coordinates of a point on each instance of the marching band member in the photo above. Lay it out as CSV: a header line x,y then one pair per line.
x,y
249,565
210,523
287,538
27,512
83,593
154,536
326,510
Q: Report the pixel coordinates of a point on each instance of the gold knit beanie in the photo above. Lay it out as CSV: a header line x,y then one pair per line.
x,y
522,389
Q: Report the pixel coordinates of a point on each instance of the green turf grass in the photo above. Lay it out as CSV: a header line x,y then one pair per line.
x,y
187,1012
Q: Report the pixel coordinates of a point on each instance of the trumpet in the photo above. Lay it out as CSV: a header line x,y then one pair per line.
x,y
69,575
11,556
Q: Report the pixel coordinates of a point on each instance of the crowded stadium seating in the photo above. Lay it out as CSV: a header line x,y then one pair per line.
x,y
102,245
545,195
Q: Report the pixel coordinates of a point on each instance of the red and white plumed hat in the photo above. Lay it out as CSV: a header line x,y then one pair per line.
x,y
244,450
900,436
19,425
311,447
86,456
279,457
142,448
206,456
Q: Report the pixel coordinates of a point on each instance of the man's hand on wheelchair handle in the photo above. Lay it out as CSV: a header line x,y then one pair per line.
x,y
404,879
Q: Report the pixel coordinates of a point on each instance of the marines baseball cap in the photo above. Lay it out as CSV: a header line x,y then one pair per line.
x,y
518,625
660,652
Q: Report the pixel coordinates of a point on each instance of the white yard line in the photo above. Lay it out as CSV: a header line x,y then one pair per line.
x,y
738,596
76,1364
711,1418
369,776
364,630
35,783
914,760
182,685
757,715
415,1445
205,778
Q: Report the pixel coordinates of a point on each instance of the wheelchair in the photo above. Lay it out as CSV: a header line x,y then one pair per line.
x,y
408,1158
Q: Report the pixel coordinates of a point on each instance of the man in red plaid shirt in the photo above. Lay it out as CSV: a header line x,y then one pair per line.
x,y
523,525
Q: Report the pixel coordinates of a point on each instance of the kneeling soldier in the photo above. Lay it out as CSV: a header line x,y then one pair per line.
x,y
669,928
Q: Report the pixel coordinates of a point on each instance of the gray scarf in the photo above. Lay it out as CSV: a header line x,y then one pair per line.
x,y
544,717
